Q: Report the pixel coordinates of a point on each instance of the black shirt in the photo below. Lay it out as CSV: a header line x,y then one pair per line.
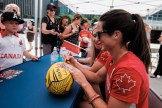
x,y
49,38
61,28
74,38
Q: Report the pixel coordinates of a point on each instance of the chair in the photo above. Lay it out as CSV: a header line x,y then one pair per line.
x,y
154,100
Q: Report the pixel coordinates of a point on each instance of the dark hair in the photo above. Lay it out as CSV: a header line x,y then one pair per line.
x,y
60,22
77,16
95,51
95,54
33,24
133,31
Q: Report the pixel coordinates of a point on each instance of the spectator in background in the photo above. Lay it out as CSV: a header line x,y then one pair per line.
x,y
49,30
85,39
62,25
71,32
10,8
148,29
30,33
158,71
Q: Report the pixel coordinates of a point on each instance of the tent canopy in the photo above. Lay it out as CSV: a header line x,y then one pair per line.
x,y
98,7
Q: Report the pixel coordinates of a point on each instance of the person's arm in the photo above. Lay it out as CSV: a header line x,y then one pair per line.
x,y
95,77
80,39
30,56
32,31
67,32
94,98
160,39
99,103
85,60
45,31
94,68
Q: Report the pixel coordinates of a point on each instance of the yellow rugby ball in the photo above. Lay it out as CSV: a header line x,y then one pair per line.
x,y
58,78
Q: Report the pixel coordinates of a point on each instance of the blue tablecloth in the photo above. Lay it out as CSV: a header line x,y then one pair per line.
x,y
28,90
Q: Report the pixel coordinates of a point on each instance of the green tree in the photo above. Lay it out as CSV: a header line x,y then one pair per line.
x,y
95,19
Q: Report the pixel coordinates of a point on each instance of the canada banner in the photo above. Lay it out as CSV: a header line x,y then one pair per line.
x,y
71,47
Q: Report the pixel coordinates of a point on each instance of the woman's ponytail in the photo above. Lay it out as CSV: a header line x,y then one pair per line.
x,y
139,44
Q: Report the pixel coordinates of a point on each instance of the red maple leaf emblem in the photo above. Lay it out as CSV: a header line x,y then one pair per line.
x,y
20,42
125,83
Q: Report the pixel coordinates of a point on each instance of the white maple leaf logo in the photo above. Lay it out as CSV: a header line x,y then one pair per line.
x,y
125,83
104,56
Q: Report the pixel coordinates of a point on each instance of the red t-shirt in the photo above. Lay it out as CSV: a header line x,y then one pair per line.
x,y
103,56
84,33
127,81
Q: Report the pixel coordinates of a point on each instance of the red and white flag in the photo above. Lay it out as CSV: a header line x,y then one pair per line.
x,y
71,47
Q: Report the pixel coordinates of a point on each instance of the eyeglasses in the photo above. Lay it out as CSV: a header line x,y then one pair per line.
x,y
98,34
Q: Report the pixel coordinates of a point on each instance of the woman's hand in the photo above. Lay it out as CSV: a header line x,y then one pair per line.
x,y
70,60
77,75
60,36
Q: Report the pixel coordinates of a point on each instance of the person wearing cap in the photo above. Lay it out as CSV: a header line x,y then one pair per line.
x,y
49,30
12,46
85,38
10,8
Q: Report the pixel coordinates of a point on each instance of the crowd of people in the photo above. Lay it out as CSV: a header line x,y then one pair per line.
x,y
119,56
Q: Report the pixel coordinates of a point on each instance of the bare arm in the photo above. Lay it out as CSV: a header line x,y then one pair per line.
x,y
95,77
85,60
32,31
96,66
67,32
30,56
90,92
45,31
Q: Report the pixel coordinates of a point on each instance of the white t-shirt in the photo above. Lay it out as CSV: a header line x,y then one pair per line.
x,y
11,51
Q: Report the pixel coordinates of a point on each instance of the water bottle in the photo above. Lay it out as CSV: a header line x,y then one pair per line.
x,y
62,53
54,56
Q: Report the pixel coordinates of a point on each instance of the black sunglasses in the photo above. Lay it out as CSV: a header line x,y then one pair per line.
x,y
98,34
